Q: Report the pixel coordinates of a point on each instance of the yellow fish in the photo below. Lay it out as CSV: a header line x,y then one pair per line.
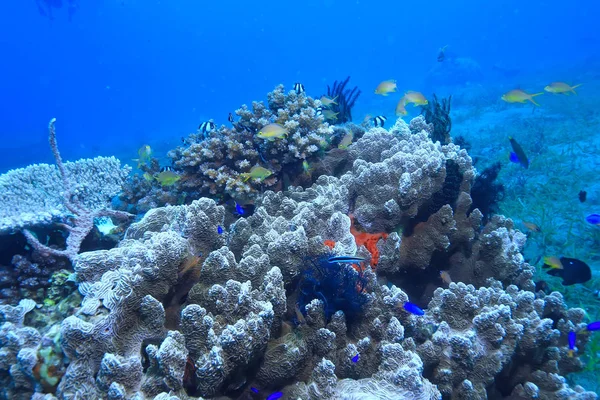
x,y
327,101
519,96
148,177
167,178
330,115
561,87
400,108
416,98
553,262
272,132
346,141
386,87
306,167
257,172
144,154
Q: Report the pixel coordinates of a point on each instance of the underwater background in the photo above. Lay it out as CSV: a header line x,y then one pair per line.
x,y
120,75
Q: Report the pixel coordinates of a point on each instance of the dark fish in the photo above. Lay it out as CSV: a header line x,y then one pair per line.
x,y
582,196
345,259
442,54
355,358
219,230
207,127
319,111
594,326
573,271
275,396
513,157
542,286
298,87
597,294
165,169
519,152
413,308
379,121
230,118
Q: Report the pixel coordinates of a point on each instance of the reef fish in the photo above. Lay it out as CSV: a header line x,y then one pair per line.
x,y
255,390
239,209
531,226
207,127
415,98
401,108
582,196
327,101
593,219
257,172
513,157
445,276
442,54
519,152
219,230
275,396
561,88
230,118
519,96
355,358
346,259
167,178
272,132
386,87
330,115
379,121
572,341
144,154
298,88
594,326
571,270
346,140
413,308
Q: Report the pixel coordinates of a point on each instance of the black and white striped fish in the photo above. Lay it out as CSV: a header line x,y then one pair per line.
x,y
298,87
379,121
206,127
319,111
165,169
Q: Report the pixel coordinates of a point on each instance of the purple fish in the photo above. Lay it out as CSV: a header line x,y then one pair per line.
x,y
513,157
593,219
413,308
356,357
255,390
219,230
594,326
274,396
572,340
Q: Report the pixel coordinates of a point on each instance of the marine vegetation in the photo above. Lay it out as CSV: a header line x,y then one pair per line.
x,y
437,112
345,99
487,192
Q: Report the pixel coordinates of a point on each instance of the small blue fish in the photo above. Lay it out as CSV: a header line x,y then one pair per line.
x,y
219,230
572,341
593,219
274,396
413,308
513,157
594,326
345,259
239,209
355,358
255,390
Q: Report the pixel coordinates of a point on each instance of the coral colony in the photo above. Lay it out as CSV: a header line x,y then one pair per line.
x,y
267,261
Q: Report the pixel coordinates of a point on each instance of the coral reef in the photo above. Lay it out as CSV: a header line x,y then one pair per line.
x,y
194,302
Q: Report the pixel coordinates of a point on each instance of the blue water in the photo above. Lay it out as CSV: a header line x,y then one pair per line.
x,y
123,73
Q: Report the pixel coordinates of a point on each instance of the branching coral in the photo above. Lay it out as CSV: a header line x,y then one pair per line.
x,y
81,218
345,99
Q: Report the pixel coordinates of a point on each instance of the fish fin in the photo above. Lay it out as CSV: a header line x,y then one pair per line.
x,y
574,87
245,176
537,94
533,101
